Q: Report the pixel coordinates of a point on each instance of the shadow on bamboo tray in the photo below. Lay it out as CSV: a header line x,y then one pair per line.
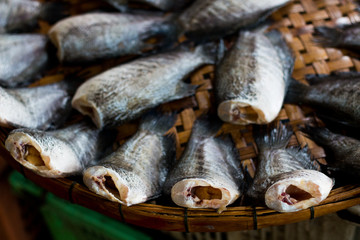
x,y
296,22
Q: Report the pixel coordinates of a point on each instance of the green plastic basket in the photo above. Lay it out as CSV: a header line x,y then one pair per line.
x,y
68,221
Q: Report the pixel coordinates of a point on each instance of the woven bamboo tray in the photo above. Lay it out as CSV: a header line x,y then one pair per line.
x,y
296,22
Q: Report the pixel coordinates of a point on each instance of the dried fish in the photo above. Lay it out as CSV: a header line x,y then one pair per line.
x,y
217,18
286,179
40,107
22,58
93,36
208,174
347,36
251,79
136,171
125,92
164,5
335,97
59,153
342,152
23,15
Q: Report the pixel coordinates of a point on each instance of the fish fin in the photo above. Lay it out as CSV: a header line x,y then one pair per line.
x,y
326,36
184,90
302,155
54,11
156,121
285,53
275,137
295,91
206,125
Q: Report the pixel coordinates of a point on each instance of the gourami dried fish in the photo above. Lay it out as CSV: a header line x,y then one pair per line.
x,y
347,36
59,153
40,107
136,171
22,58
208,174
251,79
335,97
93,36
125,92
217,18
342,152
164,5
286,180
23,15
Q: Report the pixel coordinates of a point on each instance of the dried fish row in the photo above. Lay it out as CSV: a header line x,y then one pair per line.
x,y
136,171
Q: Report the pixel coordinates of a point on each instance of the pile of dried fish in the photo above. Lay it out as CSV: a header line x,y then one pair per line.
x,y
251,81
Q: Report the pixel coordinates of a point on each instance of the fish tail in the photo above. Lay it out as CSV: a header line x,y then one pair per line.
x,y
206,125
326,36
295,91
277,137
155,121
209,51
54,11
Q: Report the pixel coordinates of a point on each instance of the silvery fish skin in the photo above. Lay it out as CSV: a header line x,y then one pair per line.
x,y
208,174
286,180
22,57
335,97
347,36
164,5
40,107
93,36
58,153
251,79
22,15
216,18
136,171
125,92
342,152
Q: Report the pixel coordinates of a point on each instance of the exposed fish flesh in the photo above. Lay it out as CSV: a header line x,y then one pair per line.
x,y
347,36
335,97
123,93
22,57
208,174
342,152
217,18
165,5
92,36
136,171
251,79
40,107
23,15
286,180
57,153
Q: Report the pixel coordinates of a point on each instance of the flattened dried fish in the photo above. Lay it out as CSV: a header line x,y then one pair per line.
x,y
286,180
22,57
335,97
136,171
251,79
208,174
216,18
342,152
347,36
92,36
40,107
22,15
58,153
125,92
